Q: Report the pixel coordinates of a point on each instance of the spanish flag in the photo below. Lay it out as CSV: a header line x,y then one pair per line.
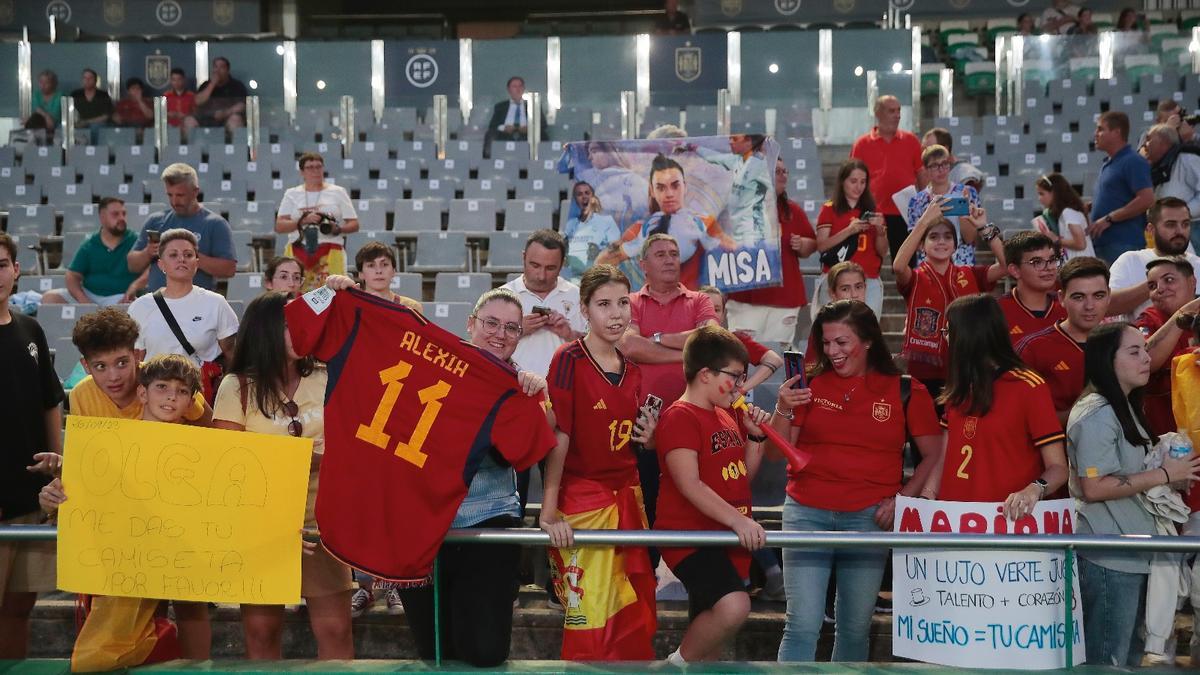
x,y
122,633
607,593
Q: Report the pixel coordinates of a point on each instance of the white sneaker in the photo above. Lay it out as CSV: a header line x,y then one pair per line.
x,y
361,602
394,606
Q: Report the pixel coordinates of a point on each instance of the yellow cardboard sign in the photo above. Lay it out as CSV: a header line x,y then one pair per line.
x,y
177,512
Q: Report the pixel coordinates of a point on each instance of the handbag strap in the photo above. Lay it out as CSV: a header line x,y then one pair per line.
x,y
172,323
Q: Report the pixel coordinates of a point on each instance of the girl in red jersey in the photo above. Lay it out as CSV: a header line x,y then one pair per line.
x,y
936,282
852,480
591,482
842,229
1005,442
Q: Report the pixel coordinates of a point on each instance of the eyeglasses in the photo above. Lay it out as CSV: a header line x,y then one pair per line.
x,y
1040,264
738,378
491,325
295,427
938,166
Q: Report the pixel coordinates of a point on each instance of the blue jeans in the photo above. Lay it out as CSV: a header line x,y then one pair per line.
x,y
806,579
1113,605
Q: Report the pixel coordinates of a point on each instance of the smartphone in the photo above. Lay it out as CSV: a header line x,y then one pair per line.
x,y
153,235
867,216
544,311
653,404
793,365
958,206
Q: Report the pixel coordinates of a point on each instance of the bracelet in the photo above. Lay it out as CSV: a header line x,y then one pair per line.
x,y
789,415
773,368
1164,470
756,439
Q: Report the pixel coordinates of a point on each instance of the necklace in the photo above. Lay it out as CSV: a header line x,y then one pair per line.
x,y
846,396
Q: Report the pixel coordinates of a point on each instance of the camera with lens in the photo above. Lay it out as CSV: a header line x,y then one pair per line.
x,y
312,231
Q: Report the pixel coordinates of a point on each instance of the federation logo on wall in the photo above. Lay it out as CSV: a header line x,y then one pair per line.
x,y
158,71
6,12
731,7
58,10
168,12
902,5
421,70
114,12
687,62
844,6
787,7
222,12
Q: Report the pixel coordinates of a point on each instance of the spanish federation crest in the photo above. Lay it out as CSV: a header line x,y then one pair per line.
x,y
158,71
222,12
925,322
970,424
881,412
731,7
687,62
114,12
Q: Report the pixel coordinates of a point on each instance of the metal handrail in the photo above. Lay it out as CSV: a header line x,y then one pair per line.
x,y
781,539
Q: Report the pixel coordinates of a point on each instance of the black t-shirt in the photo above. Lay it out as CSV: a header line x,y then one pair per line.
x,y
100,104
28,388
224,95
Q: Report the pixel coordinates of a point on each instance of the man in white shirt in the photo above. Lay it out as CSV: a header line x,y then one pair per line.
x,y
550,303
1170,223
510,122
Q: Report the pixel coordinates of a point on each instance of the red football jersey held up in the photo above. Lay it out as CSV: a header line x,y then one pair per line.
x,y
410,412
989,457
597,414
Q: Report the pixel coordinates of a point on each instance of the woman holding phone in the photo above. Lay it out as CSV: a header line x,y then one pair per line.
x,y
851,482
959,200
591,478
849,227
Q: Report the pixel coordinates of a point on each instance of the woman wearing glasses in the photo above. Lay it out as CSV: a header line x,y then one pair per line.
x,y
851,483
477,581
1004,440
938,163
323,206
271,390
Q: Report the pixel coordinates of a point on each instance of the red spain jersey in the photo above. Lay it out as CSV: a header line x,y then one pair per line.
x,y
597,411
719,441
1058,359
1022,321
988,457
411,411
851,471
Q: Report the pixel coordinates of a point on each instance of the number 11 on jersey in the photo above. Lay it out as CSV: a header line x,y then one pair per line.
x,y
431,397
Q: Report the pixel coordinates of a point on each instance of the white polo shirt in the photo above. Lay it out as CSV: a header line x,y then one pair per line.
x,y
535,350
1129,269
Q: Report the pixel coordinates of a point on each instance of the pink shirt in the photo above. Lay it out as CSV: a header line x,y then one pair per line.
x,y
682,312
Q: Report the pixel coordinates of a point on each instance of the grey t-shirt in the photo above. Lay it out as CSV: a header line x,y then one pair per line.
x,y
212,231
1097,447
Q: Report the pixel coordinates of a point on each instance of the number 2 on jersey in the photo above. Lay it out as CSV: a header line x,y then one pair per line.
x,y
618,434
431,397
967,452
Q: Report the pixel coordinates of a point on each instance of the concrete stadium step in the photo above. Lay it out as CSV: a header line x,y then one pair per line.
x,y
537,633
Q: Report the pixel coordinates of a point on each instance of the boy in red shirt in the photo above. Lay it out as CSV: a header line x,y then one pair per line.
x,y
708,456
1056,352
1033,304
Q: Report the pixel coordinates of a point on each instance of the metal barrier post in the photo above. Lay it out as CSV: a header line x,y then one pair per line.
x,y
437,613
160,123
724,112
945,92
872,92
347,124
68,126
253,126
441,132
24,76
533,116
628,115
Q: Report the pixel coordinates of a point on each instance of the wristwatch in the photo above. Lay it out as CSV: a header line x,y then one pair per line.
x,y
1042,484
657,338
989,232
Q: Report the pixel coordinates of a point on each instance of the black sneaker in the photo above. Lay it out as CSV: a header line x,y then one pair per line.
x,y
883,605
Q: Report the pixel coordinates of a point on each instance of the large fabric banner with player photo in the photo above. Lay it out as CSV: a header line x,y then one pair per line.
x,y
713,194
181,513
969,609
